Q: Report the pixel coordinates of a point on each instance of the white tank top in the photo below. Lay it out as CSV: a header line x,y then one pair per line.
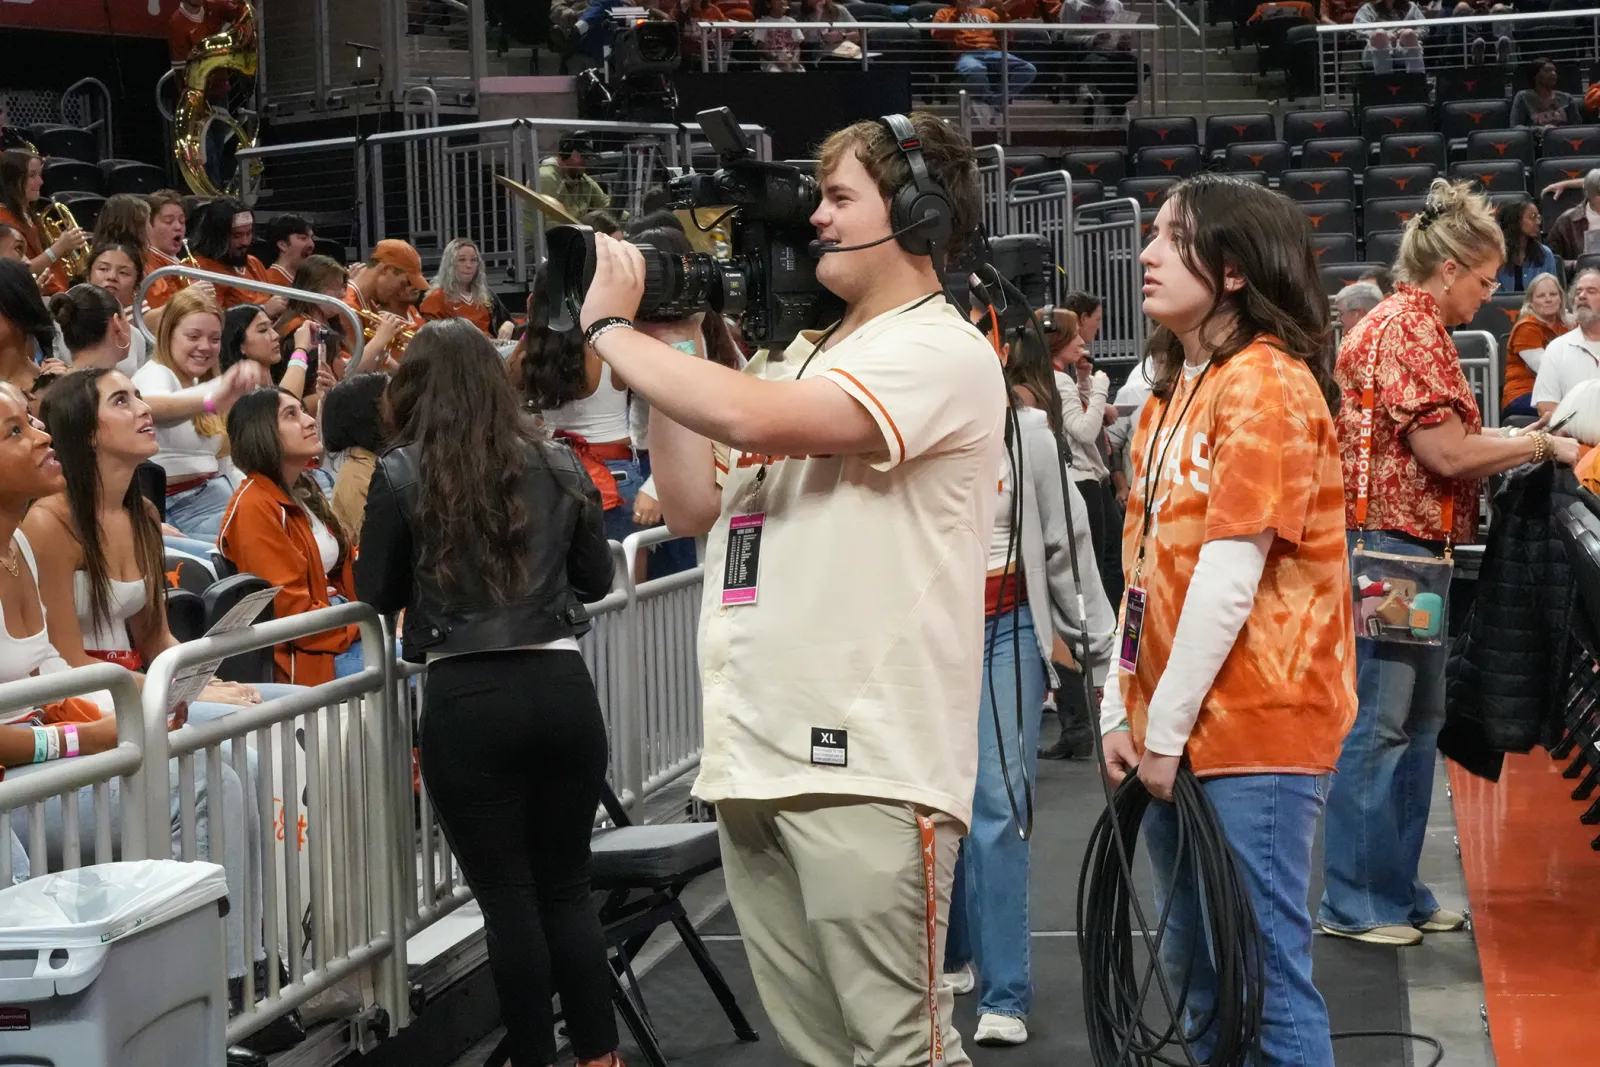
x,y
21,656
127,600
1000,535
600,417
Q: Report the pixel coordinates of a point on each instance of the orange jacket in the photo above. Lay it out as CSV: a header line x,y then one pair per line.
x,y
436,305
974,40
55,280
227,295
1528,332
266,534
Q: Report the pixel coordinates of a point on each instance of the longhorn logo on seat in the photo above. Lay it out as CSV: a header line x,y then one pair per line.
x,y
1412,151
1336,156
1169,163
1501,146
1255,161
1316,221
1476,117
1317,187
1397,121
1240,130
1091,168
1318,126
1401,183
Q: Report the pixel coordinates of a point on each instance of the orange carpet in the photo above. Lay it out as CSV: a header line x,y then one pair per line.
x,y
1534,887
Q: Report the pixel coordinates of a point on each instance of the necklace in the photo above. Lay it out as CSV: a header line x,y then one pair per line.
x,y
12,566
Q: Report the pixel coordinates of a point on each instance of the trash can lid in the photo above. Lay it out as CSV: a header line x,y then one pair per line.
x,y
97,905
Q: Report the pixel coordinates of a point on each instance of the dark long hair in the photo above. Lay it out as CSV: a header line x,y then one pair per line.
x,y
235,323
70,409
14,182
21,304
256,445
1520,248
313,275
1224,223
211,228
452,401
552,362
134,253
1030,367
352,413
84,314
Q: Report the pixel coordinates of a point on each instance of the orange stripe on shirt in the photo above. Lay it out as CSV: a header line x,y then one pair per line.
x,y
900,441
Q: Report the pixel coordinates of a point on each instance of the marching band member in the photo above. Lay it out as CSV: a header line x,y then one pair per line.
x,y
11,243
322,275
461,289
294,239
224,230
21,181
383,292
194,21
165,244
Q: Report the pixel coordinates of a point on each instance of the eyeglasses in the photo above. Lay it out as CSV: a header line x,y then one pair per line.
x,y
1490,286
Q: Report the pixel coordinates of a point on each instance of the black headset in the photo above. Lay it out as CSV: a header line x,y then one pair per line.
x,y
920,212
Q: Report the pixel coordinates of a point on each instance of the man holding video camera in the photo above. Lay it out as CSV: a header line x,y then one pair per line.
x,y
848,484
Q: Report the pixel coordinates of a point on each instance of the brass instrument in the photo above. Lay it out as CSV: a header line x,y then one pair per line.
x,y
371,320
188,256
233,50
55,220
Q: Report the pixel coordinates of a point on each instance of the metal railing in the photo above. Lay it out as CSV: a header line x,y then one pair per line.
x,y
665,661
1036,61
1483,371
1108,239
1344,52
250,284
992,182
328,178
33,790
1173,51
99,100
1042,204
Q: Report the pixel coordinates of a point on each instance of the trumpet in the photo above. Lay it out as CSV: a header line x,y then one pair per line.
x,y
371,320
55,220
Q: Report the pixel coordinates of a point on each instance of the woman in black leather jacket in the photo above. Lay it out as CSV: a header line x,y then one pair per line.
x,y
490,537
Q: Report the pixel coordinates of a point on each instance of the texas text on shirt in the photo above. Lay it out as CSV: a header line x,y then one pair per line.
x,y
1256,451
868,618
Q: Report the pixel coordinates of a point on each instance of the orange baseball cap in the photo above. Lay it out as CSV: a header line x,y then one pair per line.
x,y
402,257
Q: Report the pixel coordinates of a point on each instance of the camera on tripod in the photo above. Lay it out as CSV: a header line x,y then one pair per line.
x,y
769,281
1018,263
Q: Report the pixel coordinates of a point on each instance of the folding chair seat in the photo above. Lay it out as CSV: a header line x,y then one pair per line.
x,y
1459,119
1224,130
1381,246
1572,141
1493,175
1329,216
1380,122
1333,249
1390,213
1151,193
1514,144
1335,276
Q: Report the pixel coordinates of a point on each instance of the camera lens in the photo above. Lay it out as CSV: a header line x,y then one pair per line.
x,y
676,285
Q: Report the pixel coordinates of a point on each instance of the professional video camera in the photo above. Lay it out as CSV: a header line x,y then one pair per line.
x,y
771,278
1004,267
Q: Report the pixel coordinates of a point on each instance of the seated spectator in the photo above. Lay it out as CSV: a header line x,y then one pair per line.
x,y
461,289
1569,236
188,397
1543,105
1383,48
295,241
1527,257
1574,356
224,230
780,47
93,329
27,333
324,276
1545,316
1354,301
1450,41
12,246
564,176
981,58
833,42
124,220
1379,275
1578,415
1102,68
692,39
279,526
352,426
247,334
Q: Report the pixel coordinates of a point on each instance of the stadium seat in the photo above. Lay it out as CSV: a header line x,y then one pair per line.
x,y
1496,316
864,12
1105,165
85,207
1380,122
1410,179
1381,247
1333,183
1572,141
1322,152
130,176
72,176
1178,161
1493,175
1151,193
1329,216
65,142
185,571
151,478
1382,90
1332,249
1390,213
1471,83
1269,157
1254,177
1562,168
1224,130
1302,126
1501,144
1149,131
220,598
1025,164
925,11
1087,192
186,614
1336,276
1553,205
1458,119
1412,148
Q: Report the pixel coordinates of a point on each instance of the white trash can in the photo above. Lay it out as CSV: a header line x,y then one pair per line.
x,y
116,965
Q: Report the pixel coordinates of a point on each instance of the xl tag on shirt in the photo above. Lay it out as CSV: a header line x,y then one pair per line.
x,y
743,564
1132,628
830,748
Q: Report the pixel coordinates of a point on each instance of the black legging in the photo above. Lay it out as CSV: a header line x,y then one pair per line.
x,y
513,751
1105,532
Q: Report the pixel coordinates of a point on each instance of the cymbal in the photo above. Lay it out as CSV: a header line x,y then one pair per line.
x,y
552,208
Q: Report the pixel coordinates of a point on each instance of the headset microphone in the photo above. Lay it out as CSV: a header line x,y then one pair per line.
x,y
818,249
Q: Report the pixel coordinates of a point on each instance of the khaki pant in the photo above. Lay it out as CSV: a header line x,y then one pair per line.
x,y
830,895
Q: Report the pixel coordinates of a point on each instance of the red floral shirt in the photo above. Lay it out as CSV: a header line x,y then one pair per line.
x,y
1419,382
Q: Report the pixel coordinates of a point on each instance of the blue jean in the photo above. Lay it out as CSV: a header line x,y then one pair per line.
x,y
1522,405
198,511
629,476
1378,808
982,70
989,898
1269,820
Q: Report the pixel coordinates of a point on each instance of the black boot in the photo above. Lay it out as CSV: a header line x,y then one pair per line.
x,y
1077,735
243,1057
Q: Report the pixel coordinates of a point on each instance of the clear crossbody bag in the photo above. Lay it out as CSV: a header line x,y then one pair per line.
x,y
1399,599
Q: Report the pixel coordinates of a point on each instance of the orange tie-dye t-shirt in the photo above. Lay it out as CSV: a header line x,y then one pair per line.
x,y
1256,450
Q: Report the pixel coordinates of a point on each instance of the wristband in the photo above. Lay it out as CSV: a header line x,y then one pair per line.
x,y
69,741
50,254
210,404
298,358
41,743
52,743
605,325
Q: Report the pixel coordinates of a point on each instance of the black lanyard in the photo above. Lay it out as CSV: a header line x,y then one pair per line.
x,y
823,340
1161,463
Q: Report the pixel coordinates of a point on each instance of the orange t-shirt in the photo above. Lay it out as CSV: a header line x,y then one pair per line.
x,y
356,299
1529,332
1256,450
184,33
227,295
165,288
436,305
1588,470
970,40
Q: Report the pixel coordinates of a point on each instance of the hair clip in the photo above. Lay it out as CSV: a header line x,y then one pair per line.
x,y
1430,215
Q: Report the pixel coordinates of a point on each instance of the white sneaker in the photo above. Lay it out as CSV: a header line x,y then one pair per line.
x,y
961,982
1000,1030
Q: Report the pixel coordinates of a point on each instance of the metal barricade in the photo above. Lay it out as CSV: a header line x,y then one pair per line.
x,y
665,659
1042,204
328,178
992,180
1484,368
1443,45
31,791
323,793
1011,94
1108,240
249,284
